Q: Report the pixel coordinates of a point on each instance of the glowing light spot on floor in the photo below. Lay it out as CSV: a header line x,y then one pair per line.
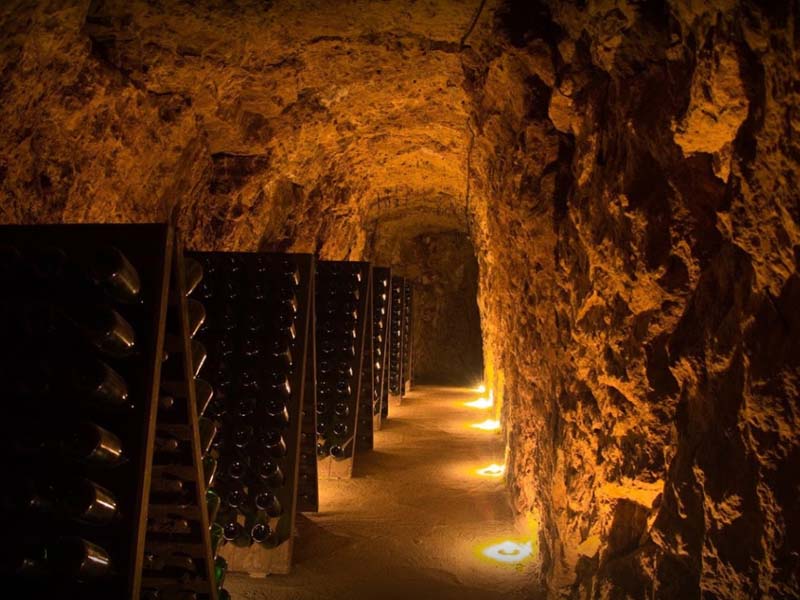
x,y
509,552
481,389
493,470
487,425
480,403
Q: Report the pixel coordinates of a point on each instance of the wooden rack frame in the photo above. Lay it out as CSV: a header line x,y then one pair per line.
x,y
62,252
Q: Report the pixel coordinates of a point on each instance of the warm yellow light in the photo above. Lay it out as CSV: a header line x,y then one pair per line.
x,y
492,470
480,403
487,425
509,552
481,389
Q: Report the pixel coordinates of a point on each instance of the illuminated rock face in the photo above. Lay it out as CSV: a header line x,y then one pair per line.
x,y
628,176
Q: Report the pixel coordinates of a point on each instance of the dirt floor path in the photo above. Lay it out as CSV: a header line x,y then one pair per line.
x,y
411,524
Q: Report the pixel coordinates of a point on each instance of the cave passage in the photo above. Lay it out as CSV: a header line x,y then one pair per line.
x,y
415,521
596,203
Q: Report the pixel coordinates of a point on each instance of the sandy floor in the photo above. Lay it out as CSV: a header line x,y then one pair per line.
x,y
411,523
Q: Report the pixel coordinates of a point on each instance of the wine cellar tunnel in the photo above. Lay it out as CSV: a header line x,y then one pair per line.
x,y
594,206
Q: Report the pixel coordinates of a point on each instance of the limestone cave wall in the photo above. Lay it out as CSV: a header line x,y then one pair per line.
x,y
625,171
637,164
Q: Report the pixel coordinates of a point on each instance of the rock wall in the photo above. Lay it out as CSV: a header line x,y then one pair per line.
x,y
626,172
642,159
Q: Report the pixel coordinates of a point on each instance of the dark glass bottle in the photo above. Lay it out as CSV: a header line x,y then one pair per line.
x,y
92,444
199,356
209,469
260,531
105,329
235,495
208,431
204,393
273,443
111,269
213,501
79,559
197,316
265,500
270,473
194,274
98,381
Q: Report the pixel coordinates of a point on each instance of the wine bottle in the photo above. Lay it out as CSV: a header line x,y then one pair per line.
x,y
242,434
171,525
235,495
204,393
281,355
96,380
166,403
220,569
213,501
231,528
273,443
237,464
251,346
340,451
217,535
168,485
260,531
340,430
341,410
277,411
270,473
280,383
268,502
92,444
77,558
112,270
105,329
175,565
208,430
245,407
209,469
197,316
199,356
194,274
86,502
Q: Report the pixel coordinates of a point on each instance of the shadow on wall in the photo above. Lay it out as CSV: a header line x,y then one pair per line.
x,y
446,330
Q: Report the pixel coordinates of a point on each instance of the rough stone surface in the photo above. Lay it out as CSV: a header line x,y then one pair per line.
x,y
626,171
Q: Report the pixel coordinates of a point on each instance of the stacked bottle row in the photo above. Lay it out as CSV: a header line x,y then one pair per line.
x,y
79,319
308,477
407,306
381,305
256,335
342,290
172,568
396,339
366,396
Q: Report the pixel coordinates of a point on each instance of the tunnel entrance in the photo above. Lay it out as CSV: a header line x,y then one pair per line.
x,y
447,330
443,269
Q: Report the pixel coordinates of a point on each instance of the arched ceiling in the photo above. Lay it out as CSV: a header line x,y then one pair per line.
x,y
362,96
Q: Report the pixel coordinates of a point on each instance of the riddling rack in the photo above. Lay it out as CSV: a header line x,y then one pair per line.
x,y
396,388
257,331
178,534
342,298
381,307
83,321
407,335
